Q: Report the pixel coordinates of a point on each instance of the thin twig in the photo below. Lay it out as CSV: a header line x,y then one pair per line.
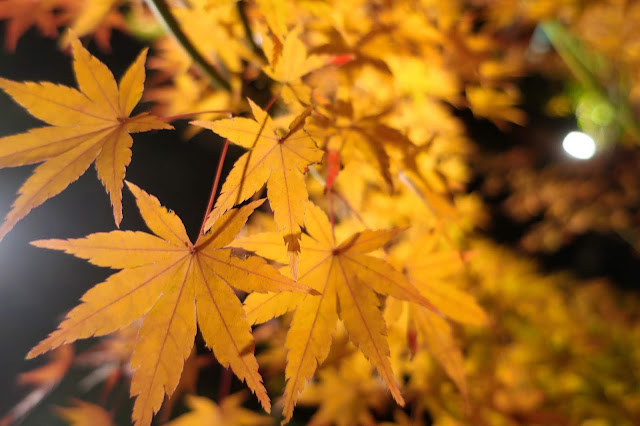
x,y
163,13
332,218
225,384
349,207
272,101
214,189
191,114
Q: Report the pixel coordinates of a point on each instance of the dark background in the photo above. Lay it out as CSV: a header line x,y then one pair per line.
x,y
37,286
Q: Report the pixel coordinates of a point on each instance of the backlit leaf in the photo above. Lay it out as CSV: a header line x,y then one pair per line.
x,y
172,284
277,157
87,125
347,278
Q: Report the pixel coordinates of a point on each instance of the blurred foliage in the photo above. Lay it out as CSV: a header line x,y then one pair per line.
x,y
506,344
564,200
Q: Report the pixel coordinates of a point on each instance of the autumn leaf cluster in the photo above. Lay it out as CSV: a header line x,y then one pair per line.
x,y
339,265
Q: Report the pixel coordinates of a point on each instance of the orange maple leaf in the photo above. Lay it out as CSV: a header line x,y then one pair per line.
x,y
98,18
276,156
166,279
89,124
46,15
343,273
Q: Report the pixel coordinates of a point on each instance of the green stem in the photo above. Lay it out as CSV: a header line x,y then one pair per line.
x,y
163,13
567,51
577,61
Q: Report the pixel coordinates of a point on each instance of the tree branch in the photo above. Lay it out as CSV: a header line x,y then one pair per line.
x,y
247,29
162,12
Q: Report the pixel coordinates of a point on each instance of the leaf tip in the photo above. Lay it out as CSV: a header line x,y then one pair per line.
x,y
205,124
117,216
132,186
4,83
39,243
257,203
34,352
4,229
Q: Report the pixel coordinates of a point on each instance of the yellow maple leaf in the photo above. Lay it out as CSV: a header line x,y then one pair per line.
x,y
165,279
85,414
89,124
91,16
276,156
434,274
495,104
360,394
97,18
424,330
229,412
292,62
276,13
289,62
341,272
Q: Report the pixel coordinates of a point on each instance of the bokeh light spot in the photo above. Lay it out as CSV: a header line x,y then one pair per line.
x,y
579,145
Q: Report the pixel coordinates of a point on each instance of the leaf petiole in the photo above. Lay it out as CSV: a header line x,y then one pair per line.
x,y
191,114
214,189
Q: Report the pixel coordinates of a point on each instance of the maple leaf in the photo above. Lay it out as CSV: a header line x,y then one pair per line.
x,y
84,413
89,124
91,15
275,12
360,394
292,62
99,18
229,412
424,330
276,156
46,15
365,140
343,273
188,382
496,105
433,273
434,332
166,279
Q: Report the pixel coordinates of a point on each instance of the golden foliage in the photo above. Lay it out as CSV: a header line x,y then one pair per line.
x,y
84,414
369,253
276,156
165,279
86,125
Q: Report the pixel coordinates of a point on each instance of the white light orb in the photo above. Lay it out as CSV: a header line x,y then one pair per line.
x,y
579,145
